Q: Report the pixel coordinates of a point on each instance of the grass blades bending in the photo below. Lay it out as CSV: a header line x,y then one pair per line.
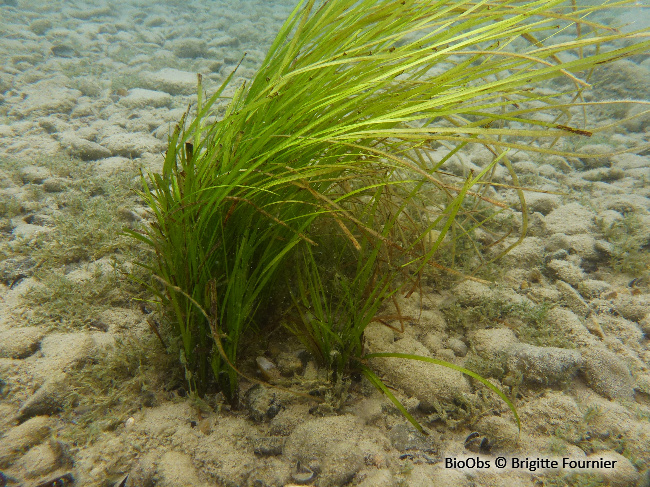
x,y
328,164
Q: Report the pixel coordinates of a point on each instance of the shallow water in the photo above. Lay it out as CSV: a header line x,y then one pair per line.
x,y
89,92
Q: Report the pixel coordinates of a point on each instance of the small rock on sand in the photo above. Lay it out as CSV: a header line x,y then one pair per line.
x,y
20,439
337,447
429,383
607,374
543,365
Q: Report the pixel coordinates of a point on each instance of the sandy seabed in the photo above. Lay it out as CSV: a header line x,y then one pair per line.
x,y
88,396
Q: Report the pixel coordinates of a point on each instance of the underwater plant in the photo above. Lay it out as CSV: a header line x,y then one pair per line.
x,y
323,180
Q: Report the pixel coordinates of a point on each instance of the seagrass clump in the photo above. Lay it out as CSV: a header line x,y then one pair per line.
x,y
322,180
